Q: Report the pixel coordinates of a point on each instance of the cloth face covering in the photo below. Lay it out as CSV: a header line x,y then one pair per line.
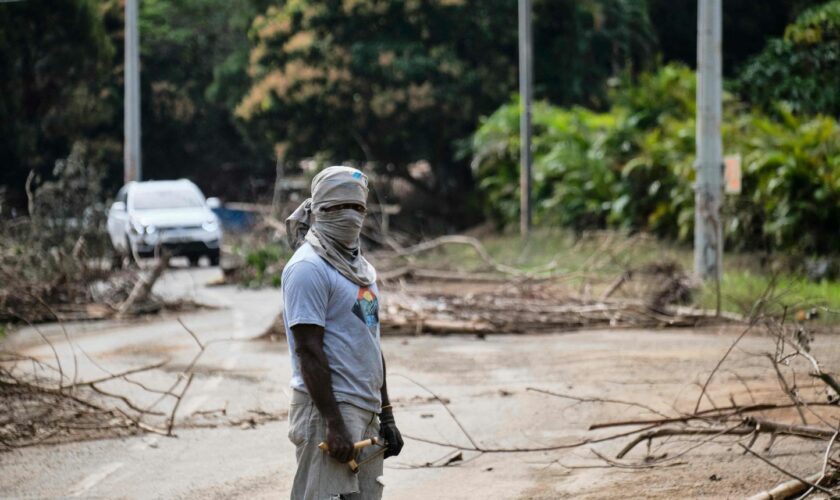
x,y
341,226
334,235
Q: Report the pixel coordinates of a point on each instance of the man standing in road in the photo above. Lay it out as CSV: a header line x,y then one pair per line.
x,y
338,371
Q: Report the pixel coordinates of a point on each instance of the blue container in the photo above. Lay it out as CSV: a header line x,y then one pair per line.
x,y
235,220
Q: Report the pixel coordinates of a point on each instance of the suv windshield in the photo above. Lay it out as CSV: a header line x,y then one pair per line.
x,y
166,198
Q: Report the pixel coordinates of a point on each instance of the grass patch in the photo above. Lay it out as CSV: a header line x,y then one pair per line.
x,y
604,255
740,289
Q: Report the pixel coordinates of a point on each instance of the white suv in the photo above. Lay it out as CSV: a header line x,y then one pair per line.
x,y
173,215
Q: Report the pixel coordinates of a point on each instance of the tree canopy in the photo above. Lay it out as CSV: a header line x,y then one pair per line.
x,y
229,86
54,58
401,81
802,68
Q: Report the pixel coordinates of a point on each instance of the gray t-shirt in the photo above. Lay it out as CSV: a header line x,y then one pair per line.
x,y
315,293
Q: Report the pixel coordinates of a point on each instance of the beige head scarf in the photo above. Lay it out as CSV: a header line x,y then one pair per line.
x,y
334,235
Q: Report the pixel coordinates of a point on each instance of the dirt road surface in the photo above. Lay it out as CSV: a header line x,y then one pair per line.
x,y
485,381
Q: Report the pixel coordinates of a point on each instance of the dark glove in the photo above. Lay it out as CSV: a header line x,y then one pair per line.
x,y
388,430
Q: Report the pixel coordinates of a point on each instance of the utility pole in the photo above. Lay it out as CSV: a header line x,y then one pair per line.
x,y
708,232
525,91
132,168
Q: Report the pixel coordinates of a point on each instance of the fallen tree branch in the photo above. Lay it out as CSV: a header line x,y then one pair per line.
x,y
143,286
787,390
720,362
445,407
709,414
681,431
177,404
598,400
114,376
747,427
462,240
491,450
614,463
787,472
787,489
826,458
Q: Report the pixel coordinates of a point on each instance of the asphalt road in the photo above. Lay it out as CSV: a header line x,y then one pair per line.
x,y
485,381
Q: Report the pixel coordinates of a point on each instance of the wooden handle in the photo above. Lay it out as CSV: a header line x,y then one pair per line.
x,y
365,443
356,446
354,466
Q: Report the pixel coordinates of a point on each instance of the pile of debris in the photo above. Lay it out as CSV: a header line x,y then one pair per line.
x,y
116,294
809,412
57,261
537,308
506,300
36,413
45,402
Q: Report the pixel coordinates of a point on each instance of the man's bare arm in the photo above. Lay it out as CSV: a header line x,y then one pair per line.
x,y
386,402
309,346
387,425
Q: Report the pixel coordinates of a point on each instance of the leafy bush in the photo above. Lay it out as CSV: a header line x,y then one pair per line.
x,y
563,150
256,261
632,167
56,254
791,185
803,68
266,262
65,228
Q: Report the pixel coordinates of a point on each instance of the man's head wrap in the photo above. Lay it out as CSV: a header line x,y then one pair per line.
x,y
334,235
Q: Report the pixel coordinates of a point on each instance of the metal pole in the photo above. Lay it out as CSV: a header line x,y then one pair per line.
x,y
525,94
132,167
708,234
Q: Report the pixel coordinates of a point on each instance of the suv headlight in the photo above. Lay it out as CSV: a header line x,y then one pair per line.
x,y
210,226
136,227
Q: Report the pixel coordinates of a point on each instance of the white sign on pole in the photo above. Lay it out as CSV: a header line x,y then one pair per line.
x,y
732,174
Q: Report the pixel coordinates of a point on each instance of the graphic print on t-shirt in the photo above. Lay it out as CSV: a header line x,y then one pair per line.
x,y
366,308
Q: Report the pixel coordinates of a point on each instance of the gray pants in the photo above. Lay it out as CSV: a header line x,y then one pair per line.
x,y
321,477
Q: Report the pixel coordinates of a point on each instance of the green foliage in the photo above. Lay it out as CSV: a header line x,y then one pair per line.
x,y
326,82
740,288
259,263
68,211
56,254
746,276
803,68
386,81
261,259
394,82
747,26
573,182
632,167
53,60
579,45
194,56
791,181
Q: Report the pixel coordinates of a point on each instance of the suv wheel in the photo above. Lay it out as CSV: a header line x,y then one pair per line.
x,y
215,257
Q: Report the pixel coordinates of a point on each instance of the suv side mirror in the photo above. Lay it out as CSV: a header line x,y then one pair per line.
x,y
118,206
213,203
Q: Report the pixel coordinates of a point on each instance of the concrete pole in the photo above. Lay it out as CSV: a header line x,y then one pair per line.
x,y
708,234
132,167
525,93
